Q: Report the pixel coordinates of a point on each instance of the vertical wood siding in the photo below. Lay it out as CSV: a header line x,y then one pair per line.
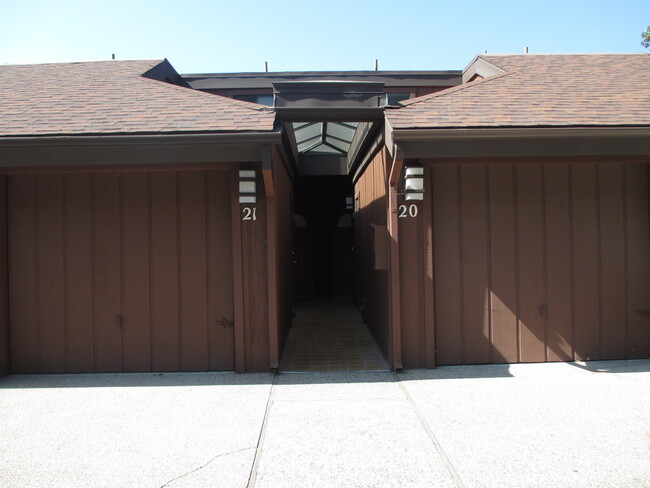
x,y
541,262
120,272
284,248
504,346
447,262
255,286
412,318
417,281
136,278
371,209
219,273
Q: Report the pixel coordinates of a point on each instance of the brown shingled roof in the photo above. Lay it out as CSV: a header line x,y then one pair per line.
x,y
561,90
112,97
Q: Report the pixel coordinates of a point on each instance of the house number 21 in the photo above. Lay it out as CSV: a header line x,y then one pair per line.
x,y
249,213
410,211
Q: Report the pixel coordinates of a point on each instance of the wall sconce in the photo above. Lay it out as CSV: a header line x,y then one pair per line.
x,y
247,186
349,203
414,183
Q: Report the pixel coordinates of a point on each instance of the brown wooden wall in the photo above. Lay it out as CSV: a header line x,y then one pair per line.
x,y
539,262
4,297
284,249
121,272
371,203
250,254
416,282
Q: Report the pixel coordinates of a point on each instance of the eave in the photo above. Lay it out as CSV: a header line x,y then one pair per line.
x,y
521,142
138,150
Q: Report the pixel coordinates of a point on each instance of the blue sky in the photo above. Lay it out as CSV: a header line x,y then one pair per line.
x,y
231,36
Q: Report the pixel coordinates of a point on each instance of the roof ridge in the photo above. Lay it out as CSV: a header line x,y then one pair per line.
x,y
448,91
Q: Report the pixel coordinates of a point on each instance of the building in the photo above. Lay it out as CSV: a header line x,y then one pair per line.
x,y
157,222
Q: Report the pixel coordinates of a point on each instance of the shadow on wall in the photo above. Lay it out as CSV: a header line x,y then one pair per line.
x,y
372,287
541,263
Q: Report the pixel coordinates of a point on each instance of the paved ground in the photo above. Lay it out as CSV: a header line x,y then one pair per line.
x,y
328,334
552,425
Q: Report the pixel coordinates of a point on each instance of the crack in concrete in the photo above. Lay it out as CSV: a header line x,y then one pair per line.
x,y
252,478
206,464
432,436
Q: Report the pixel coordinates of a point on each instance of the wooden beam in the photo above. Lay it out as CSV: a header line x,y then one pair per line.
x,y
394,266
267,170
428,271
271,257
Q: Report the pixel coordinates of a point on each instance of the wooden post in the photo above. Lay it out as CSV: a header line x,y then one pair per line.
x,y
395,299
428,271
271,250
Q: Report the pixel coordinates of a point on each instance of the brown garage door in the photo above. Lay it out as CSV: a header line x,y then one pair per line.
x,y
541,262
120,272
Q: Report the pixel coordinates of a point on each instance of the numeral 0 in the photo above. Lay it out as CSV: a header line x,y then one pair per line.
x,y
249,213
410,211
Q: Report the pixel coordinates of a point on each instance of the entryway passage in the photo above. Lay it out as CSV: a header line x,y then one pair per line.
x,y
328,334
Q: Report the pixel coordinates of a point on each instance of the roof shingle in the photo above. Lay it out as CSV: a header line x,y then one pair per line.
x,y
112,97
561,90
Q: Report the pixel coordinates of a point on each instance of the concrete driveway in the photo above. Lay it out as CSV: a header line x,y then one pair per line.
x,y
535,425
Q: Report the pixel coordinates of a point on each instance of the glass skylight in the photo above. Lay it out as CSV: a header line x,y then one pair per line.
x,y
332,138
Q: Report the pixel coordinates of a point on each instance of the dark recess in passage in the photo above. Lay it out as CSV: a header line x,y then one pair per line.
x,y
325,238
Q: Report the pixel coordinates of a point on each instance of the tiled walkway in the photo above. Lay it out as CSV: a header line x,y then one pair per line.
x,y
328,334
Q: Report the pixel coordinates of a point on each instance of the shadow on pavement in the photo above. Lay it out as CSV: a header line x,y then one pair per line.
x,y
109,380
119,380
616,367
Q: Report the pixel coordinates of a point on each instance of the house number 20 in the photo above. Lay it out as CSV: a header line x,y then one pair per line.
x,y
249,213
410,211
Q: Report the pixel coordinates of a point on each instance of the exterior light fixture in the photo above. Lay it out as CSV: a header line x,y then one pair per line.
x,y
414,183
247,186
349,203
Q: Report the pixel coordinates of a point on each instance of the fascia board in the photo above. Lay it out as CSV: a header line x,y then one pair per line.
x,y
399,135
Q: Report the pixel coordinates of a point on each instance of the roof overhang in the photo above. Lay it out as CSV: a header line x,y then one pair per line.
x,y
225,81
523,142
349,101
98,151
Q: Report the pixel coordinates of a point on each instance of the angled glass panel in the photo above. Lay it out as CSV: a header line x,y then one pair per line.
x,y
298,125
308,132
341,131
324,149
307,144
342,146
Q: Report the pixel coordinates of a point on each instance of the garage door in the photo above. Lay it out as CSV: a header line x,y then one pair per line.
x,y
541,262
120,272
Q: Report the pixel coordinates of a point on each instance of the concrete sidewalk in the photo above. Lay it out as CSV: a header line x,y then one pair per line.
x,y
534,425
